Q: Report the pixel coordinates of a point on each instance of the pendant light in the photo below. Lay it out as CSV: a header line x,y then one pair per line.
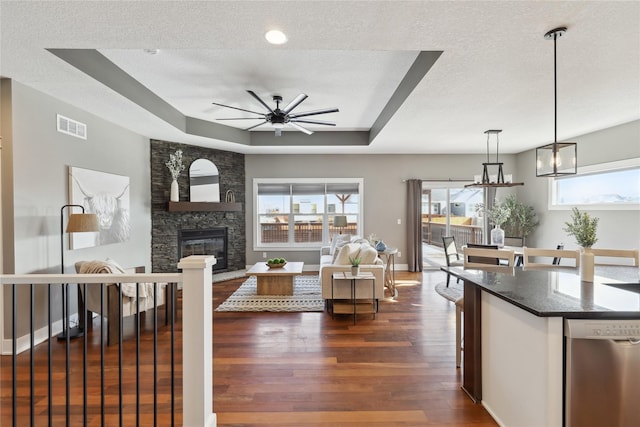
x,y
489,180
558,158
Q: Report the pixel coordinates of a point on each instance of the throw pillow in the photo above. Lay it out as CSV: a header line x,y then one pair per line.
x,y
338,241
348,250
368,255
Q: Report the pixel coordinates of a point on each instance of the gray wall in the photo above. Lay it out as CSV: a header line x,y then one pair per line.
x,y
39,157
616,229
384,192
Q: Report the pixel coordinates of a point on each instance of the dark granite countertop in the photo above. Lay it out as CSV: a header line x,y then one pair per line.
x,y
615,292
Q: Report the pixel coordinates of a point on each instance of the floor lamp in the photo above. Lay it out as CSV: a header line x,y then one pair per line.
x,y
78,223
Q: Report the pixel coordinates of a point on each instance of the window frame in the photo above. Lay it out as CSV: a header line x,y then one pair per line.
x,y
620,165
292,246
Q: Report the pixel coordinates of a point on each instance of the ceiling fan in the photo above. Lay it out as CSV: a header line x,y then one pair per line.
x,y
278,118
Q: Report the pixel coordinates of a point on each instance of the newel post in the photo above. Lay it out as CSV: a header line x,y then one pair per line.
x,y
197,341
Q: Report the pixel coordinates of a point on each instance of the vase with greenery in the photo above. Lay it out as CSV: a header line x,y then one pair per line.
x,y
498,215
583,227
355,265
175,166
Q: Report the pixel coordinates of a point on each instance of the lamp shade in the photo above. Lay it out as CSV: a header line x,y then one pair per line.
x,y
557,159
340,221
82,222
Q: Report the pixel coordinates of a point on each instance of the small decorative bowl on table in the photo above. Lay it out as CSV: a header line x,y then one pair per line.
x,y
276,263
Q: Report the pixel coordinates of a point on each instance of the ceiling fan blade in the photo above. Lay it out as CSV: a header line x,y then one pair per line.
x,y
244,118
236,108
300,128
313,122
255,126
293,104
252,93
313,113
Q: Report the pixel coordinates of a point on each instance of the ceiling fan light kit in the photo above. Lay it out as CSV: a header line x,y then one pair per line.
x,y
558,158
278,118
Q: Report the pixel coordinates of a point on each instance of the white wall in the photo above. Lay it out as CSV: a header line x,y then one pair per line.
x,y
616,229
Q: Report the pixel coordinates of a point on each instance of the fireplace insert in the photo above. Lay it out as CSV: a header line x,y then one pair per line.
x,y
210,241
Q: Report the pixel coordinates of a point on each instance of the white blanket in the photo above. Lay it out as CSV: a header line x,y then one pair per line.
x,y
128,289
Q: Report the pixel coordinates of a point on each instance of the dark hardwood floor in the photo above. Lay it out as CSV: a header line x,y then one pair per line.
x,y
292,369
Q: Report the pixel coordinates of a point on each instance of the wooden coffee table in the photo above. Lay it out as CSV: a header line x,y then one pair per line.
x,y
275,281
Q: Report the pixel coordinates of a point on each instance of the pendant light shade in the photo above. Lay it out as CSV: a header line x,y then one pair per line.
x,y
558,158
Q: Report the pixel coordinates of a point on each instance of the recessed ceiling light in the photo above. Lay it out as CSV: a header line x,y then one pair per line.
x,y
275,37
152,51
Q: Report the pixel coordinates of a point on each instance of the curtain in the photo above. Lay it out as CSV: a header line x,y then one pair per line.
x,y
414,224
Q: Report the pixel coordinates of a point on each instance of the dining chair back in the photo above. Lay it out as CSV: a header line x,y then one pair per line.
x,y
533,257
609,254
483,260
556,260
490,259
451,254
514,241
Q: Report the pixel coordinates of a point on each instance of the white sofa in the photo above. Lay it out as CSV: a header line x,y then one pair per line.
x,y
335,258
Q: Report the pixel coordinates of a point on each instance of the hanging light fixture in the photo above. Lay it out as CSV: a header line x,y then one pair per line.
x,y
493,180
558,158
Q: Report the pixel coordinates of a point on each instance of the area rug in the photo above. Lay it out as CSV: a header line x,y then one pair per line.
x,y
307,296
453,292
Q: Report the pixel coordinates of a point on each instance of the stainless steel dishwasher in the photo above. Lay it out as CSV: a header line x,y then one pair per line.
x,y
602,373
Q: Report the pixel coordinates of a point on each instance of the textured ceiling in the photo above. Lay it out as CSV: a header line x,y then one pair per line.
x,y
495,72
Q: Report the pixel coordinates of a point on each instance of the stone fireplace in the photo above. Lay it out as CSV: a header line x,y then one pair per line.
x,y
167,227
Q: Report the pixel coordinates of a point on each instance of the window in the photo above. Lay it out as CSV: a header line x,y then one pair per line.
x,y
299,213
606,186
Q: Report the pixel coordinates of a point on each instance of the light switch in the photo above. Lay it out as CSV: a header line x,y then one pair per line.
x,y
399,221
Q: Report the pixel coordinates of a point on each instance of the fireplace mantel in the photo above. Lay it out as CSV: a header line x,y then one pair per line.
x,y
204,207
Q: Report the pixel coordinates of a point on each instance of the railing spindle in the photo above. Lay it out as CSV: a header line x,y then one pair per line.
x,y
50,361
155,352
84,363
120,322
102,354
137,322
14,364
31,355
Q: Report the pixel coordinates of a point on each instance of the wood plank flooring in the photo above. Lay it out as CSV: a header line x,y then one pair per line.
x,y
305,369
292,369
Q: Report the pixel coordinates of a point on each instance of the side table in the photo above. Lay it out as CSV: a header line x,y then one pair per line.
x,y
352,305
390,269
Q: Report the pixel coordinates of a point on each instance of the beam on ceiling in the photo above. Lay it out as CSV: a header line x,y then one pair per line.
x,y
420,67
317,139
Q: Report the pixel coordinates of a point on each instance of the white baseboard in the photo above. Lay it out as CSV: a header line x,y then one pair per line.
x,y
23,343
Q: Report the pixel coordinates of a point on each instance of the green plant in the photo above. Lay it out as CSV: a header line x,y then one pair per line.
x,y
499,214
355,262
522,218
174,164
583,227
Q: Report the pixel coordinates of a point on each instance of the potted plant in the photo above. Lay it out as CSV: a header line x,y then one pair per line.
x,y
583,227
522,219
355,265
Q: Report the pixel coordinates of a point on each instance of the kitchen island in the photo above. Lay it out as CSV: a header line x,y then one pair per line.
x,y
514,334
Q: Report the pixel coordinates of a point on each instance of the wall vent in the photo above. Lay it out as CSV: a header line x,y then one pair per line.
x,y
71,127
